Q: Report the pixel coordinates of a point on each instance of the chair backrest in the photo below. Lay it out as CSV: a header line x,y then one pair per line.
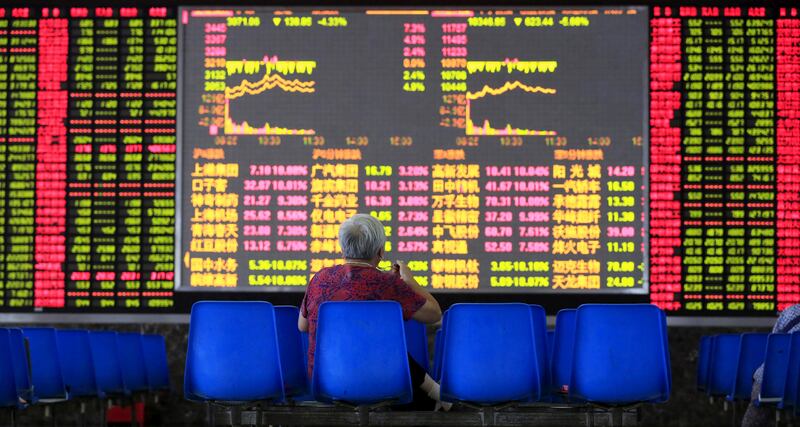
x,y
131,360
20,357
361,355
620,354
776,365
437,355
539,318
46,376
9,398
417,343
723,364
155,359
233,352
295,376
490,354
77,364
561,364
107,368
751,355
790,394
703,358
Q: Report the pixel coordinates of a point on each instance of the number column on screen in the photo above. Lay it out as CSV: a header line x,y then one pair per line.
x,y
665,161
413,219
80,157
21,178
129,155
760,185
693,237
377,199
788,164
735,152
158,158
4,151
51,159
105,155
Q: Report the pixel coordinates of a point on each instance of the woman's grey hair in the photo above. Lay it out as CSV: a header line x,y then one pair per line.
x,y
361,237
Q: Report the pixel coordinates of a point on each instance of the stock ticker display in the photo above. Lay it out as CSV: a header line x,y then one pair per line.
x,y
502,150
87,158
154,156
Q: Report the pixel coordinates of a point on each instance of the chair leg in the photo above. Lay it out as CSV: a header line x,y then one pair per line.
x,y
134,420
103,403
616,417
13,417
363,415
209,415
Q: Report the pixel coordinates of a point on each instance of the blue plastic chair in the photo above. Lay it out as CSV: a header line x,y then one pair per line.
x,y
620,355
20,357
9,398
417,343
703,359
561,364
155,357
361,356
295,377
490,354
723,364
751,355
46,376
77,364
107,369
776,365
233,353
790,394
131,360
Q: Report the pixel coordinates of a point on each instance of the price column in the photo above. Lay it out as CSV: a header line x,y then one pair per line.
x,y
21,158
665,160
80,113
4,145
158,158
788,154
51,156
759,185
129,158
105,134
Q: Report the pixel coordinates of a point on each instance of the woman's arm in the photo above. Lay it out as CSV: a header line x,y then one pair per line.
x,y
302,323
430,312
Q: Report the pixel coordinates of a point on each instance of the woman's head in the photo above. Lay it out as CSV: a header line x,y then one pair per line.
x,y
361,237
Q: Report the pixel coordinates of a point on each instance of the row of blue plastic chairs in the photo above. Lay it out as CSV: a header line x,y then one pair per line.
x,y
727,364
485,354
47,365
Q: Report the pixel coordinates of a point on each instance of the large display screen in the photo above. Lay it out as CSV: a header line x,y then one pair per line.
x,y
151,157
502,150
725,178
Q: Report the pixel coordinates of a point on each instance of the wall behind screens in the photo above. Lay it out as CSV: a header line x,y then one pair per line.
x,y
93,183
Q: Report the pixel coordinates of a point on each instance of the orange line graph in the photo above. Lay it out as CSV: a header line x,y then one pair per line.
x,y
269,81
487,128
507,87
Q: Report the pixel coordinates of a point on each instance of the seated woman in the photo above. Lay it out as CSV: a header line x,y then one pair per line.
x,y
362,240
